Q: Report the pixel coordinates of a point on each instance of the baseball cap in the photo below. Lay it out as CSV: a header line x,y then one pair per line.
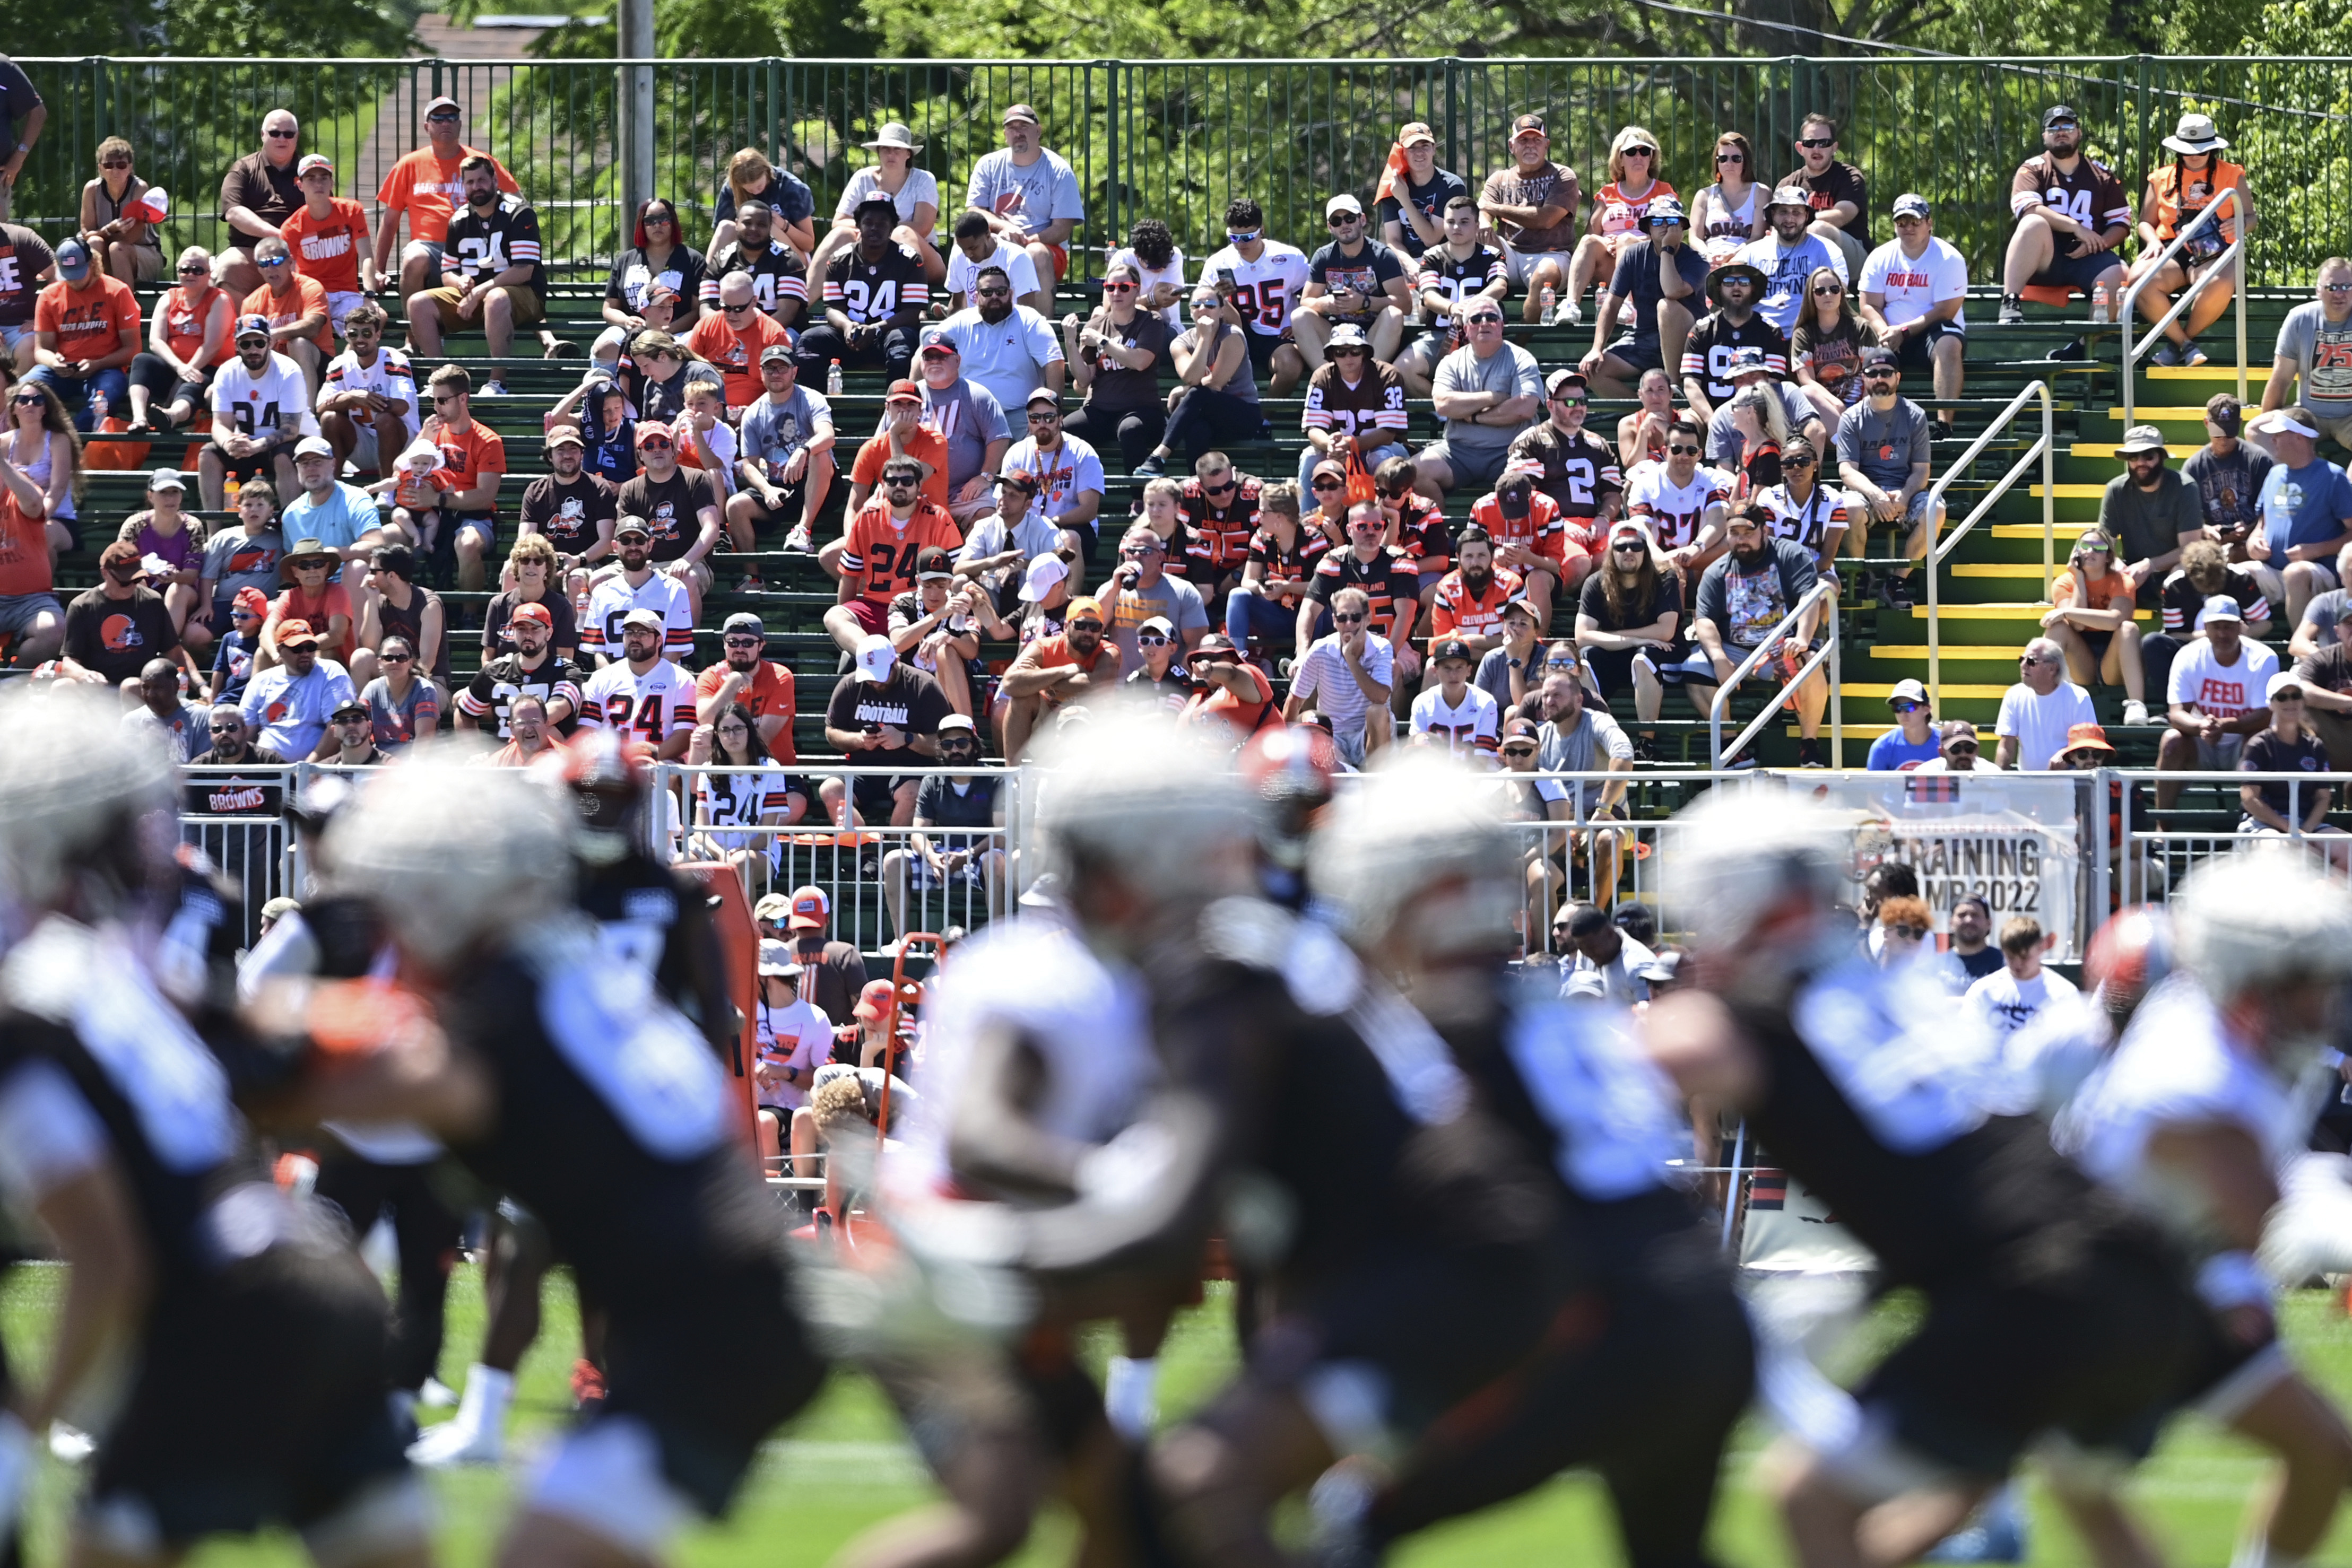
x,y
445,101
776,953
628,524
2140,438
904,391
1415,132
1343,203
876,658
1912,204
166,479
295,633
2092,736
1526,123
932,564
1907,691
1044,571
2282,680
2221,607
2226,413
1790,196
117,552
353,709
1084,604
960,722
875,1000
313,446
744,622
2282,419
811,909
779,354
773,907
158,203
2058,111
1566,376
655,429
1159,624
249,601
1042,394
72,257
936,346
1452,648
1020,111
312,162
1878,356
247,326
536,613
641,616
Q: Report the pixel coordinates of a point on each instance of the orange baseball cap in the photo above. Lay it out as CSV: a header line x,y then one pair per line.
x,y
293,633
811,910
875,1000
1084,604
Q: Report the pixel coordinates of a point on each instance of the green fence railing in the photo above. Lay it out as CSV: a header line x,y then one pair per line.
x,y
1176,140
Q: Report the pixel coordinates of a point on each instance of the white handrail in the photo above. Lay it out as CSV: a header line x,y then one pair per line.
x,y
1825,591
2045,449
2231,198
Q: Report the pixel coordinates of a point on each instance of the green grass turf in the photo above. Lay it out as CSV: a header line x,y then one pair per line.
x,y
844,1465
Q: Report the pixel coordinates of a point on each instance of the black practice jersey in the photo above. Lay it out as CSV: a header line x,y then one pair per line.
x,y
868,292
776,273
481,248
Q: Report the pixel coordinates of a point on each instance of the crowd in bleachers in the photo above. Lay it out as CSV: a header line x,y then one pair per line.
x,y
1046,513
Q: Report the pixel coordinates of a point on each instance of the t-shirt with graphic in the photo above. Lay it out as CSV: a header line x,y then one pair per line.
x,y
1676,510
571,517
634,277
1215,539
1619,219
497,621
1550,182
1841,181
2322,352
327,249
117,637
1294,564
24,256
909,701
233,662
304,296
480,245
89,321
1457,279
1471,725
867,292
395,719
1045,191
2201,680
428,190
1708,353
1388,579
1367,270
1063,475
1833,355
1885,445
653,706
260,405
1127,609
1747,599
1914,286
2226,486
2302,506
671,508
1808,522
290,711
2005,1004
234,559
500,681
771,431
1786,269
1264,290
770,691
2091,195
1171,271
885,550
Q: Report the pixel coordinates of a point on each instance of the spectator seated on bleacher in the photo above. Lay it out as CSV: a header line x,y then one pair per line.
x,y
2072,218
531,663
1787,255
752,178
395,607
261,410
309,599
350,738
1577,735
1004,346
569,509
2228,472
659,257
2305,511
1741,601
778,274
1532,206
1959,750
473,462
977,246
1642,434
884,713
877,551
1276,571
1348,676
736,338
1721,333
534,736
341,516
1884,450
874,291
1159,261
786,465
492,273
258,194
1459,268
1576,468
1801,507
1681,501
29,266
2038,711
404,704
968,417
1762,416
1531,541
417,188
171,546
1486,392
2323,664
2205,571
1055,668
1621,211
731,807
1256,281
85,334
705,442
1912,289
2311,358
1413,194
1449,712
367,401
1836,191
1380,573
1664,279
1728,214
121,216
1355,410
2090,621
936,626
41,441
1216,402
1911,742
1069,473
1001,545
1115,356
1030,195
2149,513
1141,590
970,801
2288,745
1825,350
2177,193
328,236
233,742
296,308
182,726
902,433
114,629
634,582
1353,281
1632,629
2217,697
680,510
288,703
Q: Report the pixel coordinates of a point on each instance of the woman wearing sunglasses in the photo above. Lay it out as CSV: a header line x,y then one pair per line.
x,y
119,226
659,257
1825,349
1115,359
186,341
1728,214
1621,209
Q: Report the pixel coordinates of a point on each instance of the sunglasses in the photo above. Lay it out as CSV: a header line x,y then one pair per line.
x,y
195,271
404,658
1341,220
1352,350
1631,547
1879,373
653,218
1828,289
1485,321
900,484
1151,640
993,293
1638,152
655,445
1393,495
1965,747
114,162
28,400
1321,484
1220,486
1905,707
1086,625
1570,402
1242,239
1666,222
447,117
738,309
1520,751
226,728
272,264
1908,933
1050,416
1106,288
1339,620
289,135
1560,663
1816,141
1681,451
440,398
1795,462
743,641
1731,157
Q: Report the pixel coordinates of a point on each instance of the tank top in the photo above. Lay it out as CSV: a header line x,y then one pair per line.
x,y
109,209
410,623
38,471
1622,217
1728,227
1244,383
183,319
2175,208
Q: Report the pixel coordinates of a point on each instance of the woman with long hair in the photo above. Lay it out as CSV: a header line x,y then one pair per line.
x,y
657,257
1621,211
752,178
1728,214
913,191
2178,193
41,442
730,808
116,225
1825,350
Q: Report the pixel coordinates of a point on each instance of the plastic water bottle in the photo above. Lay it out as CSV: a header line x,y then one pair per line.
x,y
1551,300
98,407
2102,304
833,378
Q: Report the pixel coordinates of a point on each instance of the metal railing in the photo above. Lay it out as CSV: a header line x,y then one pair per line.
x,y
2234,200
2145,863
1823,593
1176,140
2045,448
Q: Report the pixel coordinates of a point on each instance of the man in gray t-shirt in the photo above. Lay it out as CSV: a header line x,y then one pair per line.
x,y
972,421
1487,391
2315,353
1578,738
785,458
1882,450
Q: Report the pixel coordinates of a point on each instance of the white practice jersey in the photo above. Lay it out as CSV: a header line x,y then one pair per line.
x,y
1476,726
1674,511
1264,290
653,706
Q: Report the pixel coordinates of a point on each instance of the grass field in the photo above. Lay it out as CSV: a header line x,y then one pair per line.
x,y
844,1465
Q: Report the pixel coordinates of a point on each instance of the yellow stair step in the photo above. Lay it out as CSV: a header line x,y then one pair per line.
x,y
2213,369
2096,449
2153,414
2064,492
1983,652
2033,612
2013,569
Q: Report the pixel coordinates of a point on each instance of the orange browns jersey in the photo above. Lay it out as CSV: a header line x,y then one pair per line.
x,y
886,551
1456,609
770,691
1542,530
306,295
467,454
327,249
427,189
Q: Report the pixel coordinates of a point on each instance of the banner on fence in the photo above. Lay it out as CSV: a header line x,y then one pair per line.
x,y
2011,839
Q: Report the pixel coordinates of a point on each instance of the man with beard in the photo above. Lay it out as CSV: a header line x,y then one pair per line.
x,y
643,694
779,277
1469,602
1424,878
638,584
1722,332
2072,218
261,407
1052,671
1633,627
742,675
679,505
490,271
575,509
1006,348
1573,466
1787,255
536,1078
1741,599
971,420
533,669
2048,1309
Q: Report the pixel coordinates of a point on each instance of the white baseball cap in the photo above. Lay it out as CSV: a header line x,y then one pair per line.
x,y
2286,420
876,658
1044,571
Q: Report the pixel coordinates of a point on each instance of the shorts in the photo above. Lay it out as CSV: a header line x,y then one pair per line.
x,y
529,308
260,465
427,251
1917,352
1423,353
147,260
2079,272
1061,256
340,306
365,456
260,1397
1520,265
483,523
2220,756
1261,348
873,617
2338,429
875,795
1475,469
1613,668
2097,643
1912,515
18,611
12,335
1640,350
795,504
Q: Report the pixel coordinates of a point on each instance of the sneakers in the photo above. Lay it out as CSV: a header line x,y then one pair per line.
x,y
564,349
2012,310
1152,468
2135,712
1894,593
436,1394
1810,753
2168,355
801,539
2193,356
492,388
1567,313
752,583
454,1443
2071,349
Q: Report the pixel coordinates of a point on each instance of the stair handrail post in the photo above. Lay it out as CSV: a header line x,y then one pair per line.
x,y
2235,250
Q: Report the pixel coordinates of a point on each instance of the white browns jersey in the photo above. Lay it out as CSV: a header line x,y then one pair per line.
x,y
1808,525
652,707
390,377
1475,725
1674,511
1263,289
600,628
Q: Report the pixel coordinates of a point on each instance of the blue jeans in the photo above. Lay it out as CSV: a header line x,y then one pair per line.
x,y
74,392
1309,457
1251,613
